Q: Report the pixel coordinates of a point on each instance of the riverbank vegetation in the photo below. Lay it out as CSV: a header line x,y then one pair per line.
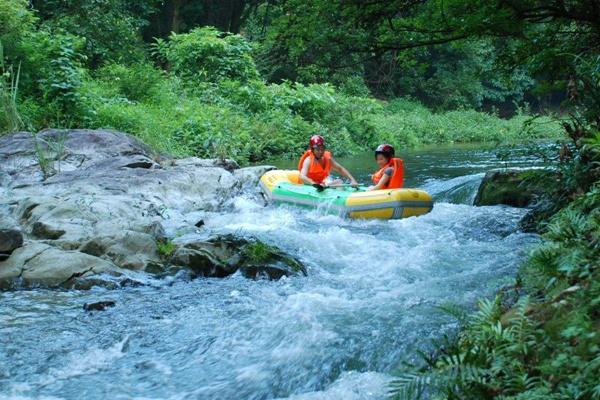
x,y
207,93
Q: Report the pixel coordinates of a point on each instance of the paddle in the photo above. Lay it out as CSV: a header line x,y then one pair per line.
x,y
320,188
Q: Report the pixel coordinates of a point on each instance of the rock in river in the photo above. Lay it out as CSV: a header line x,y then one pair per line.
x,y
96,204
513,187
223,255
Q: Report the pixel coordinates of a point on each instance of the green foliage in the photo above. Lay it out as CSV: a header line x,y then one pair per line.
x,y
547,347
63,76
49,152
136,82
166,248
254,121
111,28
15,21
207,55
258,252
457,75
10,120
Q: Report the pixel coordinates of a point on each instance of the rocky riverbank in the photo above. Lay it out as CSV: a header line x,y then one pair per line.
x,y
96,207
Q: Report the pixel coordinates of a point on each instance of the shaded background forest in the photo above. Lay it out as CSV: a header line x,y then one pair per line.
x,y
252,79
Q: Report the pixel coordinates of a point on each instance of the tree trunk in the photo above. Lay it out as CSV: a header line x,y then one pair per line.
x,y
176,16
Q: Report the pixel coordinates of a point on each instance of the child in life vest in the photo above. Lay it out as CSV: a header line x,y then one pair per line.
x,y
391,169
316,164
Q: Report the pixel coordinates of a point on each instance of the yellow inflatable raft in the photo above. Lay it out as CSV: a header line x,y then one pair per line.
x,y
284,186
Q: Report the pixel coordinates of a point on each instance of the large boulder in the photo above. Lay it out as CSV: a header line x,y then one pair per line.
x,y
513,187
98,200
39,264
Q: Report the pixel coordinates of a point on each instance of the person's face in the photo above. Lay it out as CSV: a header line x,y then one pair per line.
x,y
319,151
381,160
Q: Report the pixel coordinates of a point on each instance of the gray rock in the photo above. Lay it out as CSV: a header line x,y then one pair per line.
x,y
10,239
130,249
513,187
99,305
39,264
100,208
41,230
11,236
202,262
250,176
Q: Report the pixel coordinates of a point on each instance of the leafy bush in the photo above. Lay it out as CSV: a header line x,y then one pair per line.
x,y
135,82
207,55
15,21
111,28
10,120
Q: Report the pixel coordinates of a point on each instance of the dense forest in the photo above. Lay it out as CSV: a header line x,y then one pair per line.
x,y
253,79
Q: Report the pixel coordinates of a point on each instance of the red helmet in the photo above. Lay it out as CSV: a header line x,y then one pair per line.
x,y
315,141
386,150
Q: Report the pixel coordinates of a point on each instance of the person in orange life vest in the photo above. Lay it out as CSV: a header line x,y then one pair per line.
x,y
391,169
316,163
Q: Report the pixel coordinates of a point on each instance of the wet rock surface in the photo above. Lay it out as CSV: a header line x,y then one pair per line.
x,y
99,306
89,206
513,187
221,256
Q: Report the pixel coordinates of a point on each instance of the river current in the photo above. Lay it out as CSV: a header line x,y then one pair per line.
x,y
370,300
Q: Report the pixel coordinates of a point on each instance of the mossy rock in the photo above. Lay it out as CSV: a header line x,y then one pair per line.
x,y
516,188
260,259
224,255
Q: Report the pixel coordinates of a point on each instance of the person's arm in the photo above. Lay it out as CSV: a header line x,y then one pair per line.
x,y
382,182
304,172
343,171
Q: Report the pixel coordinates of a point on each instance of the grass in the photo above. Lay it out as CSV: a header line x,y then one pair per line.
x,y
10,119
166,248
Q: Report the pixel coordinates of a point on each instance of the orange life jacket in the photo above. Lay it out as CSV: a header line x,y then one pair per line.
x,y
396,180
317,171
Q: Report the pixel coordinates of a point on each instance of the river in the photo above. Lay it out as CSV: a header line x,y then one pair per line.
x,y
370,300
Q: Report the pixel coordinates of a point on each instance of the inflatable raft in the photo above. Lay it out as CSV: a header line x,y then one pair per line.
x,y
285,187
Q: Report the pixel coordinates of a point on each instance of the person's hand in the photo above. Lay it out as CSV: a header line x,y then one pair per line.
x,y
371,188
353,183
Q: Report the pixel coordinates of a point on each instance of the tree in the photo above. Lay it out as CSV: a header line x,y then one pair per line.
x,y
183,15
111,28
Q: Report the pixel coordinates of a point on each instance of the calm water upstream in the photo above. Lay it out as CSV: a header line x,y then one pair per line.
x,y
370,299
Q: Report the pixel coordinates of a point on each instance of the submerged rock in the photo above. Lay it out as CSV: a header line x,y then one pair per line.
x,y
250,176
99,306
516,188
224,255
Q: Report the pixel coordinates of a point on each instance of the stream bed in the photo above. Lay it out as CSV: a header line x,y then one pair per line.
x,y
370,300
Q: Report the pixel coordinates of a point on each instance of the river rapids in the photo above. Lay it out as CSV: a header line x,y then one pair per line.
x,y
370,300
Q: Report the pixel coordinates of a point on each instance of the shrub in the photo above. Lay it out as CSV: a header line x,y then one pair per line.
x,y
135,82
207,55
